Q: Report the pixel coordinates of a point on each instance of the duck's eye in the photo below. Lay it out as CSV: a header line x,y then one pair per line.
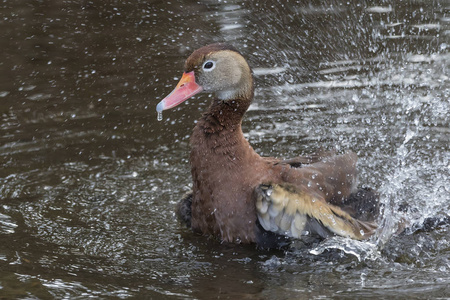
x,y
209,65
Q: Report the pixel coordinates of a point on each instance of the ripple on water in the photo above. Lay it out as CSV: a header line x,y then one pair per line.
x,y
7,224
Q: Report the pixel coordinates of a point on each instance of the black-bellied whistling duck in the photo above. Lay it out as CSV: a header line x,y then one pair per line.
x,y
239,196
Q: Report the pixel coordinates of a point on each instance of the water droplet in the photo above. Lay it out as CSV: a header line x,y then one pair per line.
x,y
159,117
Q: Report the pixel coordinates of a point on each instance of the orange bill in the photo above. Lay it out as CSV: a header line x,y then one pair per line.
x,y
185,89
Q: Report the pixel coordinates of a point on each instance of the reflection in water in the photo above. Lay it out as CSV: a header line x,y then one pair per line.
x,y
90,178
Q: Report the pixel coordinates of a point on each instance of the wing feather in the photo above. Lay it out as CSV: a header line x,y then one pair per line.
x,y
291,211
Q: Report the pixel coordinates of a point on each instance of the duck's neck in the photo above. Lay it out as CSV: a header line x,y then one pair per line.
x,y
223,116
218,133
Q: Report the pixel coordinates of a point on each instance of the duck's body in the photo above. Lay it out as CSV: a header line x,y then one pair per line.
x,y
242,197
225,169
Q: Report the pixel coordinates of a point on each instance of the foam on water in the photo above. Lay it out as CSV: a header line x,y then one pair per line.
x,y
362,250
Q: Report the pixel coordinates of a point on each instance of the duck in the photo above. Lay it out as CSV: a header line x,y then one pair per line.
x,y
241,197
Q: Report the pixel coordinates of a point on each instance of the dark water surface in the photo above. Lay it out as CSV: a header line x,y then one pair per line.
x,y
89,177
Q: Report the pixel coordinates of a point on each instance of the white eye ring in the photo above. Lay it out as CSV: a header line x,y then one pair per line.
x,y
208,66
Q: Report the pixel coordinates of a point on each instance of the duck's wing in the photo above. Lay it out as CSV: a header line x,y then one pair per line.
x,y
332,177
289,210
301,161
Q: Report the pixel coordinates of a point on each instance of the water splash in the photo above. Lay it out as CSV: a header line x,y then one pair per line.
x,y
362,250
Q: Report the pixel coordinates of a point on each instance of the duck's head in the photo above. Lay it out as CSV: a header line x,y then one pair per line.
x,y
216,68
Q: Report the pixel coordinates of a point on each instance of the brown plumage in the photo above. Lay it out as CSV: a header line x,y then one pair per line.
x,y
239,196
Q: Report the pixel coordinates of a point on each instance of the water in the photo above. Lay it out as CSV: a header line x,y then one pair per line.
x,y
90,178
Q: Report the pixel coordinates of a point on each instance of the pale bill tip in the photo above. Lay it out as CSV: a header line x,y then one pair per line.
x,y
160,106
